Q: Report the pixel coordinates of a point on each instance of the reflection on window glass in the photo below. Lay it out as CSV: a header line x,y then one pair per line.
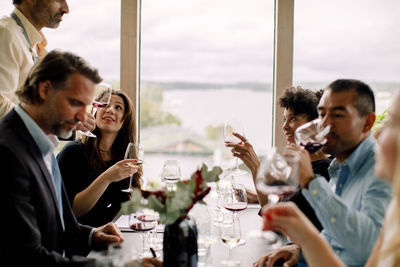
x,y
348,39
203,62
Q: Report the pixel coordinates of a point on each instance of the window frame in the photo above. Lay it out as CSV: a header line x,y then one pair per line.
x,y
282,70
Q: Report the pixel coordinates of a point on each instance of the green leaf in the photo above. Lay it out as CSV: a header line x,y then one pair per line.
x,y
210,176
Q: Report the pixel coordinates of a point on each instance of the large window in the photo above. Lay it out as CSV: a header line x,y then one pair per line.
x,y
348,39
204,62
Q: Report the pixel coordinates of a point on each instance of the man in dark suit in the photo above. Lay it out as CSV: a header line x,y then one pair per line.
x,y
38,225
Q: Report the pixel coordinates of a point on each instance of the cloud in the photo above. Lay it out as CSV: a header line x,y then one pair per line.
x,y
232,40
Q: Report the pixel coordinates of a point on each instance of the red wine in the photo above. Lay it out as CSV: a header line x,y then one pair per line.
x,y
98,104
312,147
142,226
147,217
238,206
280,190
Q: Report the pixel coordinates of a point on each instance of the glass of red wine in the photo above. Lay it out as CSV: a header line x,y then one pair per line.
x,y
149,215
235,200
277,177
102,100
143,226
311,135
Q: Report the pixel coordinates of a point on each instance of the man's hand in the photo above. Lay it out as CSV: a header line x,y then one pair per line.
x,y
107,234
88,125
290,254
306,173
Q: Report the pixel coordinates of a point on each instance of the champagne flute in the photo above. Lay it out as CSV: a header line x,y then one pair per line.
x,y
230,235
133,151
311,135
102,100
171,174
230,127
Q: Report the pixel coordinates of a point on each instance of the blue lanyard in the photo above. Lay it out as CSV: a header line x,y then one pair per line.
x,y
18,21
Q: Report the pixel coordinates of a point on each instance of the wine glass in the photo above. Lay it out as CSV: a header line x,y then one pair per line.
x,y
311,135
133,151
102,100
236,200
277,177
230,127
230,235
171,174
144,227
149,215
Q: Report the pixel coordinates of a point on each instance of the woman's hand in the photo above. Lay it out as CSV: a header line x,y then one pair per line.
x,y
121,170
244,151
289,219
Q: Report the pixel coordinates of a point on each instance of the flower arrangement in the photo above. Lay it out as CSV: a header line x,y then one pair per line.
x,y
173,205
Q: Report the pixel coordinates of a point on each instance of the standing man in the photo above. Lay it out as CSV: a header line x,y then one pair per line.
x,y
352,205
39,227
22,43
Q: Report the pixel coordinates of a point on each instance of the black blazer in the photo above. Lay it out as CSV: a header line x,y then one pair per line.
x,y
32,233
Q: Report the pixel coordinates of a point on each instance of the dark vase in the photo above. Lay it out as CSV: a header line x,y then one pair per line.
x,y
180,244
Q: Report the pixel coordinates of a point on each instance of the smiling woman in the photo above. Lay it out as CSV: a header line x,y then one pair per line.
x,y
93,169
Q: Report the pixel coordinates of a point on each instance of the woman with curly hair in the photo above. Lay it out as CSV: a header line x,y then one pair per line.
x,y
300,107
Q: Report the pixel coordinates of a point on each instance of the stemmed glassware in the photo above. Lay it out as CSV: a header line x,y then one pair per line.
x,y
171,174
277,177
230,127
133,151
311,135
144,226
102,100
235,200
148,215
230,235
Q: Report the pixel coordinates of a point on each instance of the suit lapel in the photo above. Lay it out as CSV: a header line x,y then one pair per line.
x,y
36,156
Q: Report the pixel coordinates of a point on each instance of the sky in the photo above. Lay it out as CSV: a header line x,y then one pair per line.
x,y
227,41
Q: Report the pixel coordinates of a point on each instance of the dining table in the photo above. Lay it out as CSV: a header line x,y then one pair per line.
x,y
244,254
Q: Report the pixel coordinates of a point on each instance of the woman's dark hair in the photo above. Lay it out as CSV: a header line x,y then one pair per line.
x,y
125,135
301,101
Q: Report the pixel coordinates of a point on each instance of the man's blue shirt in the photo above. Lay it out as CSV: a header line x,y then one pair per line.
x,y
352,205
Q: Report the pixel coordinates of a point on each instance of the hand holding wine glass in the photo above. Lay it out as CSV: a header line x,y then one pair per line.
x,y
230,127
136,152
312,135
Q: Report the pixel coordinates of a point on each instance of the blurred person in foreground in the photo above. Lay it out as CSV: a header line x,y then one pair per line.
x,y
288,218
300,107
40,228
352,205
94,169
